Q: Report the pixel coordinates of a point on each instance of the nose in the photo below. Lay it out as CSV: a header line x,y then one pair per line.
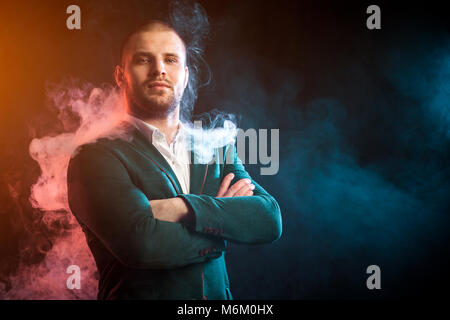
x,y
159,68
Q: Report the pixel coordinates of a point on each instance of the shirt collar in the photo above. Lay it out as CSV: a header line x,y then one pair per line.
x,y
153,133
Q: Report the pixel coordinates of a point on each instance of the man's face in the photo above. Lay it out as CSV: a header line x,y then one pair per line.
x,y
154,73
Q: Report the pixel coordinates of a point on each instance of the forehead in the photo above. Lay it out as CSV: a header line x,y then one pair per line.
x,y
155,40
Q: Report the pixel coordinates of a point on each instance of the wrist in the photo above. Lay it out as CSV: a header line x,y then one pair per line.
x,y
186,213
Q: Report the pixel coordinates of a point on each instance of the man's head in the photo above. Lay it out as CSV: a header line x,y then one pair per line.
x,y
153,72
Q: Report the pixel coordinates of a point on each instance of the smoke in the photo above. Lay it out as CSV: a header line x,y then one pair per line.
x,y
48,279
95,113
363,172
100,111
211,131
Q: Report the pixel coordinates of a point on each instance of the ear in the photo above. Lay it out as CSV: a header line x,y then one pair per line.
x,y
119,76
186,78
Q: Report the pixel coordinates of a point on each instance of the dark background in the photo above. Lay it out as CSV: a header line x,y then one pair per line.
x,y
364,119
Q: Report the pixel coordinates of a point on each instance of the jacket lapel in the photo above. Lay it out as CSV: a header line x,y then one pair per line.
x,y
150,151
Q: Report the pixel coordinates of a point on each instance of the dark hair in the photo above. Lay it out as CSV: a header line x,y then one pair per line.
x,y
190,21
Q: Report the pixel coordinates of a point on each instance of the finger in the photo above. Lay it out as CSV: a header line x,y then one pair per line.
x,y
225,184
244,190
248,194
243,183
236,187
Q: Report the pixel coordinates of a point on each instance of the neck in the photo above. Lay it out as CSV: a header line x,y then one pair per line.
x,y
167,124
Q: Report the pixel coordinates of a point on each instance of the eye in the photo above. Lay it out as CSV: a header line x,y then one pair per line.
x,y
172,60
142,60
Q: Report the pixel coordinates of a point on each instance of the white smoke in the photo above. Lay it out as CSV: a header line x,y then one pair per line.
x,y
207,140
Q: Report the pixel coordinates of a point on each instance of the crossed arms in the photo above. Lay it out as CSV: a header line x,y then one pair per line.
x,y
177,209
148,234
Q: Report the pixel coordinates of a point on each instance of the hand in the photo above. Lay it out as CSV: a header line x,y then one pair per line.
x,y
241,188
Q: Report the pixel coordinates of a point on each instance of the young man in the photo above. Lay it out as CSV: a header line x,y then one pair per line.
x,y
155,219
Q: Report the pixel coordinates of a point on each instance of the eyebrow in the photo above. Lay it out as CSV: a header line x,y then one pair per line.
x,y
143,53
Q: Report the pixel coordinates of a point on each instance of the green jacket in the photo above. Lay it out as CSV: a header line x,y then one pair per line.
x,y
110,183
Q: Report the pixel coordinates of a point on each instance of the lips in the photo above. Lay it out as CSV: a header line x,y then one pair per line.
x,y
158,85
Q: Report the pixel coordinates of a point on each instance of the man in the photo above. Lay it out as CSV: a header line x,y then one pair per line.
x,y
157,226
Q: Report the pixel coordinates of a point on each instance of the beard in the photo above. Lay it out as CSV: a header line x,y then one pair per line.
x,y
145,102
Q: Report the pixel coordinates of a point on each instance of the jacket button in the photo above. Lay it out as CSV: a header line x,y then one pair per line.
x,y
207,229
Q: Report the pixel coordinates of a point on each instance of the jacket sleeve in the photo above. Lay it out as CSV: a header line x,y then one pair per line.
x,y
102,196
253,220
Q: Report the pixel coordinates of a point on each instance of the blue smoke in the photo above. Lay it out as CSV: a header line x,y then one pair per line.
x,y
364,175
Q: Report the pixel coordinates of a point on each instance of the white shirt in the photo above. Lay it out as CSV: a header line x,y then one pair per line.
x,y
176,154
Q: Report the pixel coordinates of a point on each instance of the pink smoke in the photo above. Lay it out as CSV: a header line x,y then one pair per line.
x,y
98,111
